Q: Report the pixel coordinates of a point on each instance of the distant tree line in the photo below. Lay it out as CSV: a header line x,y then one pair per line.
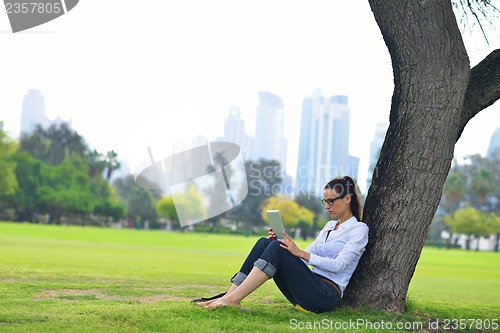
x,y
264,180
470,202
55,178
52,176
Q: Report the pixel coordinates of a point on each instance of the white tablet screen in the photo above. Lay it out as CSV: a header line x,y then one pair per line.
x,y
274,219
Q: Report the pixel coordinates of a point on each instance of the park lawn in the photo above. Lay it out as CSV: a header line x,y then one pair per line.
x,y
85,279
457,283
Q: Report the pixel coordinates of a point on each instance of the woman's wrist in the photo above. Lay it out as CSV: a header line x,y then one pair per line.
x,y
303,255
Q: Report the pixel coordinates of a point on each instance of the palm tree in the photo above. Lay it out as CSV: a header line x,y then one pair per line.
x,y
453,191
482,184
111,163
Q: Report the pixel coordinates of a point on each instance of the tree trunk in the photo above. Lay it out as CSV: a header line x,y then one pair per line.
x,y
435,95
431,74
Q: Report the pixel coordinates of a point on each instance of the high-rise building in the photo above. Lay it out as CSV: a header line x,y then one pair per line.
x,y
324,143
375,146
33,113
269,142
234,131
494,146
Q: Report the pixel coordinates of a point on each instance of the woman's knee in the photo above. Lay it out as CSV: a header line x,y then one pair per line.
x,y
263,242
276,244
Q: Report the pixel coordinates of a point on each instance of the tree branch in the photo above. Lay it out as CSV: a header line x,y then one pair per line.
x,y
483,89
480,11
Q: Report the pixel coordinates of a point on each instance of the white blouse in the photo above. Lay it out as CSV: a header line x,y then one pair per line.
x,y
336,258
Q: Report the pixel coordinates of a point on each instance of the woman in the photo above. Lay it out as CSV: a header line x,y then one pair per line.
x,y
333,255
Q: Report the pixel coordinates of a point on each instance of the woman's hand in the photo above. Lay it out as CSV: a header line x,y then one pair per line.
x,y
271,234
289,244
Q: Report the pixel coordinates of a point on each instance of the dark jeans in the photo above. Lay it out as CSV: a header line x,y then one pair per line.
x,y
294,279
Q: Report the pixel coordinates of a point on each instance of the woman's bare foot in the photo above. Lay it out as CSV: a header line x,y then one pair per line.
x,y
205,303
221,302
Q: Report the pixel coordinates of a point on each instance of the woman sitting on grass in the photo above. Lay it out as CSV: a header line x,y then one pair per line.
x,y
333,255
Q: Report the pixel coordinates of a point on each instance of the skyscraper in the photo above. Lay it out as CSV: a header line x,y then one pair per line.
x,y
33,113
494,146
324,143
234,131
375,146
269,142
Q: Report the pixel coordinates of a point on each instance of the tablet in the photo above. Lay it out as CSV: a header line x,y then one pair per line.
x,y
274,219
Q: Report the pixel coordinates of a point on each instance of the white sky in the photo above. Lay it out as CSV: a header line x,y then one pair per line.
x,y
136,74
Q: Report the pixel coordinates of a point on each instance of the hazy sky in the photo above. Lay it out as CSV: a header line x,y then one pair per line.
x,y
134,74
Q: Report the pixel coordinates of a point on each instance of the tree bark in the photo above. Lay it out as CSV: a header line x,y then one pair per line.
x,y
431,75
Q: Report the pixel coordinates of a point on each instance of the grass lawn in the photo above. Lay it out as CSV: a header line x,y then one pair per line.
x,y
81,279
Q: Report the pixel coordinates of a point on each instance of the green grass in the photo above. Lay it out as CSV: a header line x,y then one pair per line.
x,y
81,279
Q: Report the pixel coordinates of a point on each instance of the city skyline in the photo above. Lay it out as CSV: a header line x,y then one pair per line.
x,y
234,131
494,146
130,80
269,140
324,143
33,113
375,146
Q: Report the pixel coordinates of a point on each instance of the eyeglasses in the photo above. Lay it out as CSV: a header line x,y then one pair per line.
x,y
331,201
